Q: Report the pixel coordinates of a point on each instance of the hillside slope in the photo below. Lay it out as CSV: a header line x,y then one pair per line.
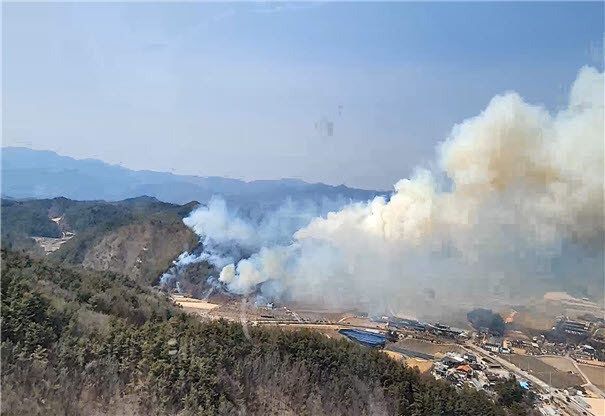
x,y
137,237
79,342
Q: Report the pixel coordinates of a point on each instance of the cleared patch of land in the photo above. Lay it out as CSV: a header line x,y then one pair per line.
x,y
195,304
592,362
560,363
517,335
50,244
545,372
595,374
395,355
597,406
422,365
557,296
536,320
427,347
570,300
361,322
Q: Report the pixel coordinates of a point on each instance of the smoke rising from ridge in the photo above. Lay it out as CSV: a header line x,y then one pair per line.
x,y
524,191
229,235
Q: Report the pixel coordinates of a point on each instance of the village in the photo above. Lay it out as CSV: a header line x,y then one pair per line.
x,y
566,378
563,368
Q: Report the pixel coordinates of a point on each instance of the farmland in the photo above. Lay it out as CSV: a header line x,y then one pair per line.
x,y
545,372
595,374
427,347
560,363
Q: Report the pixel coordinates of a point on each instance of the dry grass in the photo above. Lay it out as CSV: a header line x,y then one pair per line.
x,y
426,347
362,322
535,320
422,365
557,296
560,363
191,303
545,372
394,355
596,375
597,406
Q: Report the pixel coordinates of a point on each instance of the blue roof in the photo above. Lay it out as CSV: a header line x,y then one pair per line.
x,y
367,338
524,385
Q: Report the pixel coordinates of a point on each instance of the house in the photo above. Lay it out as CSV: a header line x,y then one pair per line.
x,y
465,369
471,358
493,344
452,360
574,328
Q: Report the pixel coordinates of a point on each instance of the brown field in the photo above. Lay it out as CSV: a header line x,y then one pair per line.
x,y
422,365
592,362
394,355
540,314
194,305
517,335
426,347
535,320
560,363
557,296
545,372
596,375
597,406
361,322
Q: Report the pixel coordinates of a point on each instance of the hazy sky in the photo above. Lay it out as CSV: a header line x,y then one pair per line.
x,y
238,89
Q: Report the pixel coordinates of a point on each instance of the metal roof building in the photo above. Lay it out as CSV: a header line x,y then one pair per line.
x,y
370,339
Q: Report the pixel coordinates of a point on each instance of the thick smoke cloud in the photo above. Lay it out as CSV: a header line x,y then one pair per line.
x,y
229,235
522,187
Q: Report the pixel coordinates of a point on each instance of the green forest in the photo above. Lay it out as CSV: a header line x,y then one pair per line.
x,y
105,235
77,341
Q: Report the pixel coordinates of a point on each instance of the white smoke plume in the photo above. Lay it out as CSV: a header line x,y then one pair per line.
x,y
524,190
227,236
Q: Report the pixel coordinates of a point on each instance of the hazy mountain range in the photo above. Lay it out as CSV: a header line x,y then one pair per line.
x,y
28,173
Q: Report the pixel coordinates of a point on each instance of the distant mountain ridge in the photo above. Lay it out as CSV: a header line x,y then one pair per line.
x,y
28,173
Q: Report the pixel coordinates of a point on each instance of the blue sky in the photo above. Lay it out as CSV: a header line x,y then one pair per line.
x,y
238,89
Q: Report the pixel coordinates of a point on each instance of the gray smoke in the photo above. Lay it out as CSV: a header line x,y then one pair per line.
x,y
523,201
229,235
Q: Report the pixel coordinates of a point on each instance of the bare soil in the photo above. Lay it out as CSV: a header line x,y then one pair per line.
x,y
595,374
545,372
560,363
427,347
422,365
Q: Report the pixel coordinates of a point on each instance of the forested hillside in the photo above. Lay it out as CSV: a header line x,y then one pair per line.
x,y
138,237
77,341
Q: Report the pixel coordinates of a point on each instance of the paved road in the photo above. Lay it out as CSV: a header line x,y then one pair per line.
x,y
511,367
